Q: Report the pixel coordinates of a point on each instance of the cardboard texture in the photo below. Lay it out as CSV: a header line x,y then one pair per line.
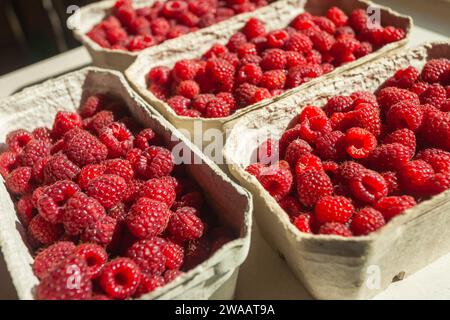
x,y
37,106
332,267
277,15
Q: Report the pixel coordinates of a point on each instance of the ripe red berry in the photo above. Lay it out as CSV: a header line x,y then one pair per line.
x,y
436,70
102,231
94,256
368,186
335,228
277,180
333,209
19,181
254,28
359,143
8,162
295,149
303,222
174,256
34,151
313,128
273,59
393,206
389,96
307,162
405,137
155,162
337,16
64,122
16,140
160,190
366,220
313,185
120,278
390,156
331,146
108,189
277,38
149,255
83,148
49,258
184,70
43,231
185,225
148,218
148,284
117,138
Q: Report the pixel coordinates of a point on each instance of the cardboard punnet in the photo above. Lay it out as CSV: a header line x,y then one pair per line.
x,y
37,106
332,267
278,15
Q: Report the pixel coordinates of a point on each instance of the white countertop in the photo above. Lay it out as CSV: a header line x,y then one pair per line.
x,y
265,275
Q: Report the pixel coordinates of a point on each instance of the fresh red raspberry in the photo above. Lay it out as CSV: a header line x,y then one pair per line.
x,y
94,256
148,283
159,190
117,138
108,189
34,151
305,16
25,209
315,127
273,59
215,51
277,38
174,256
392,182
404,78
419,87
120,167
217,108
405,137
188,89
64,122
120,278
390,156
338,104
246,49
344,47
277,180
335,228
188,19
83,148
16,140
390,96
366,116
80,212
294,59
393,206
228,99
145,139
173,9
322,41
236,40
333,209
287,137
309,112
176,31
363,49
148,218
436,129
89,173
196,252
49,258
192,199
295,149
404,115
366,221
359,143
298,42
436,70
303,222
255,169
221,72
250,73
19,181
159,75
68,281
415,176
437,158
358,19
435,95
273,79
301,74
97,122
155,162
254,28
349,170
337,16
313,185
101,232
268,151
51,203
43,231
331,146
8,162
179,104
200,102
59,167
149,255
247,94
42,134
324,24
392,34
360,97
368,186
184,70
291,206
445,106
307,162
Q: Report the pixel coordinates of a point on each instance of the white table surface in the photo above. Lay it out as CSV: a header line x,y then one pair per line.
x,y
265,275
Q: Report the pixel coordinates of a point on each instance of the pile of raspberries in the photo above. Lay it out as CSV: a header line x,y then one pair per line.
x,y
351,166
257,64
107,212
131,29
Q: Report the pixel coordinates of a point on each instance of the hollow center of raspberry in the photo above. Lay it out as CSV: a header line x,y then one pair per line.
x,y
372,185
121,279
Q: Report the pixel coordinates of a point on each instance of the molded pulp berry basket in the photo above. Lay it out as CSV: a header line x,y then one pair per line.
x,y
37,106
277,15
89,16
332,267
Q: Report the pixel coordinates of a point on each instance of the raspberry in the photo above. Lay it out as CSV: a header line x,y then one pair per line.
x,y
322,41
309,112
445,106
159,190
404,115
365,116
228,99
159,75
188,19
185,225
192,199
303,222
307,162
101,232
291,205
390,156
148,283
201,101
338,104
335,228
405,78
179,104
277,180
108,189
184,70
174,256
268,151
173,9
120,278
19,181
215,51
155,162
158,91
294,59
390,96
119,167
392,182
313,185
83,148
298,42
368,186
277,38
97,122
145,139
435,95
59,167
246,49
254,28
436,70
366,220
313,128
437,158
296,149
247,94
148,218
324,24
333,209
94,256
331,146
393,206
51,203
149,255
255,169
287,137
301,74
392,34
42,134
359,143
89,173
34,151
80,212
360,97
349,170
436,129
217,108
117,138
419,87
68,281
25,209
221,72
364,49
273,79
17,140
337,16
8,162
188,89
250,73
236,40
64,122
43,231
50,257
415,176
273,59
358,19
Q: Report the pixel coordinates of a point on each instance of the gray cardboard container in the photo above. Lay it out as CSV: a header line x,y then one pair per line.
x,y
277,15
332,267
36,106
